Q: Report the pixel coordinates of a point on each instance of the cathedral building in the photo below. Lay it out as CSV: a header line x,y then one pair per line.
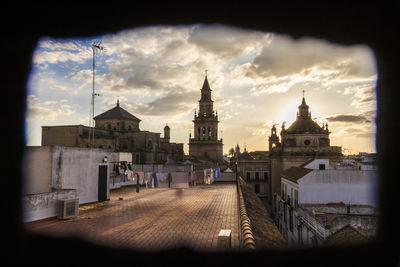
x,y
303,141
205,144
117,130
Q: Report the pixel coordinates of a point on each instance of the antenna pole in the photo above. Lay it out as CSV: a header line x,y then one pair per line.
x,y
95,46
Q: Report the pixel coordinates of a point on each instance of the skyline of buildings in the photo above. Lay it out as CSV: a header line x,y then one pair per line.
x,y
258,81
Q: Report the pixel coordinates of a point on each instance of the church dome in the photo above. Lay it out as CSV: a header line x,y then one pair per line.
x,y
116,113
304,124
301,126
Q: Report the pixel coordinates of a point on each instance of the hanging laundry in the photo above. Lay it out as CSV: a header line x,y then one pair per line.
x,y
179,180
193,177
200,177
148,179
116,169
140,176
162,179
217,173
154,180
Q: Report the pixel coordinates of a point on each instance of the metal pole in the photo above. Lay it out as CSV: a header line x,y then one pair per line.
x,y
94,64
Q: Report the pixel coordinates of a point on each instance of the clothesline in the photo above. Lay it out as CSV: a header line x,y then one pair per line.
x,y
168,179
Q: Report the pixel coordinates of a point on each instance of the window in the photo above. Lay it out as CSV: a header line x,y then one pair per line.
x,y
285,190
284,212
307,142
322,166
300,235
296,199
247,175
257,188
204,131
291,220
266,176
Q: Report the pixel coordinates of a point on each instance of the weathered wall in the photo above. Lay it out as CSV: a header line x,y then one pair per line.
x,y
36,168
78,168
44,205
333,186
60,135
117,124
212,148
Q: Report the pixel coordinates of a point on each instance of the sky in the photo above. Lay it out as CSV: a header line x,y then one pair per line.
x,y
257,79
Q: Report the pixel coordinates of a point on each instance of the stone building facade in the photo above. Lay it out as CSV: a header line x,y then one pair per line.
x,y
301,142
117,130
205,144
318,200
254,169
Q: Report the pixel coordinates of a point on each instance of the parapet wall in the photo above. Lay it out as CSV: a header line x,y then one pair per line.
x,y
263,228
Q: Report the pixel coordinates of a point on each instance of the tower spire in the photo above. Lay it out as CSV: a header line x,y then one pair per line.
x,y
118,101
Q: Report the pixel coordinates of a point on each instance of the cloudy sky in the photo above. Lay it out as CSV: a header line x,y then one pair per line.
x,y
257,79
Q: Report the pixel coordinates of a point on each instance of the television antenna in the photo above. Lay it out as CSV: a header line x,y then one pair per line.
x,y
96,47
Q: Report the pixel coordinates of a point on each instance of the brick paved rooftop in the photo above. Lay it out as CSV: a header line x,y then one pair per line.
x,y
153,219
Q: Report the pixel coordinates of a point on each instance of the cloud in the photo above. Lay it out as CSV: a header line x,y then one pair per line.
x,y
224,41
284,62
37,112
55,52
170,104
348,118
285,56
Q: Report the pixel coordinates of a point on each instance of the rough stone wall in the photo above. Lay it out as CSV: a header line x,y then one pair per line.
x,y
199,150
117,124
60,136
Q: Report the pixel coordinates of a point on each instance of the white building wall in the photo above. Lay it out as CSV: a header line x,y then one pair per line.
x,y
333,186
78,168
36,170
315,164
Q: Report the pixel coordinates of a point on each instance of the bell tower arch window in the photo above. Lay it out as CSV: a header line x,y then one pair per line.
x,y
198,131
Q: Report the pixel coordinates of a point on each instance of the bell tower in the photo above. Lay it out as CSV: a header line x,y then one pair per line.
x,y
205,143
273,139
